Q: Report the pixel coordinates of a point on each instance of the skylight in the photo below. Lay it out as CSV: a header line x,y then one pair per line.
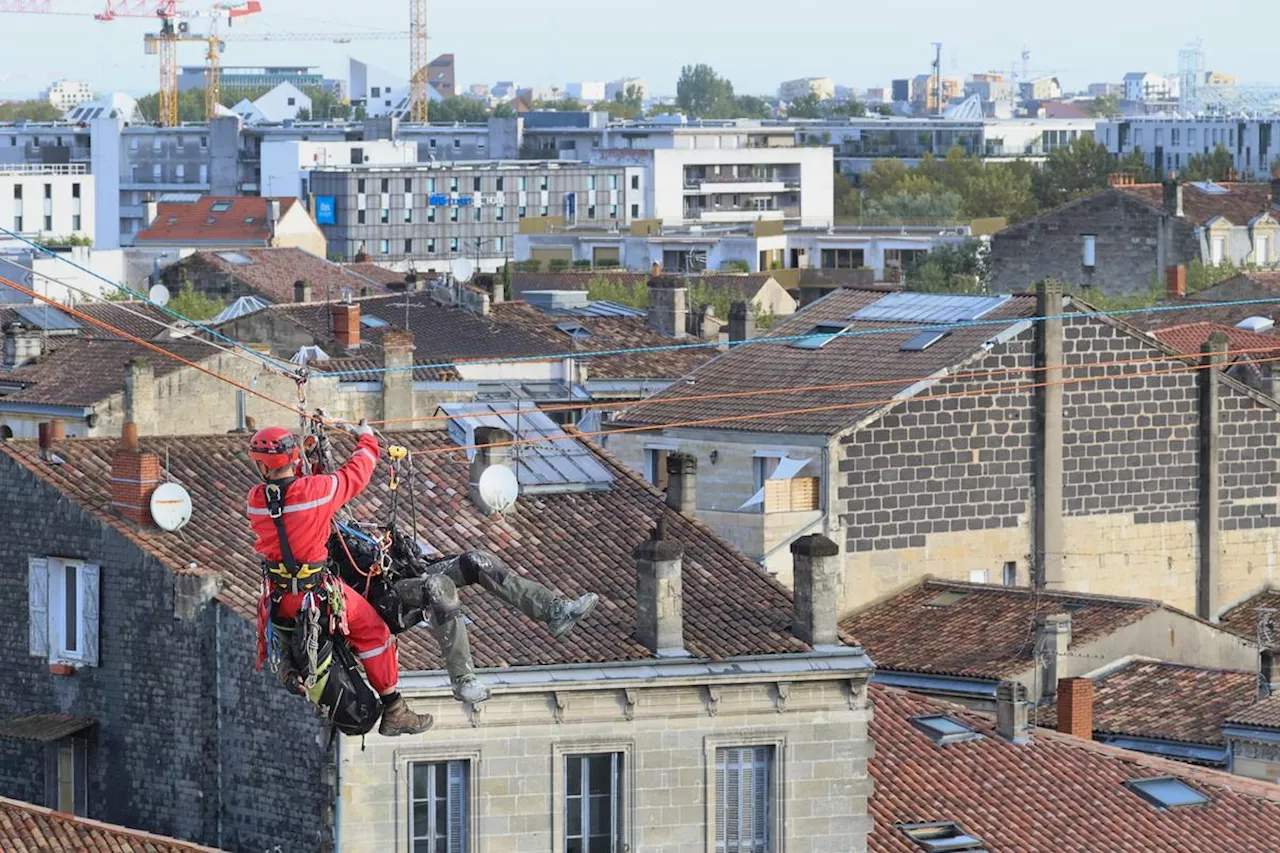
x,y
236,258
944,730
373,322
576,331
946,599
942,836
929,308
819,336
923,341
1166,792
220,207
1073,606
1256,324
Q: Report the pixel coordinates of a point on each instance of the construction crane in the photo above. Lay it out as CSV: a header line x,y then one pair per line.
x,y
419,84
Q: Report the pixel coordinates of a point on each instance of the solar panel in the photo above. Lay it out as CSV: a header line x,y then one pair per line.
x,y
929,308
47,318
550,461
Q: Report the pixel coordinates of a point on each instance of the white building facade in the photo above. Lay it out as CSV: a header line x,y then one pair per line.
x,y
42,201
286,163
824,88
1168,142
68,94
587,92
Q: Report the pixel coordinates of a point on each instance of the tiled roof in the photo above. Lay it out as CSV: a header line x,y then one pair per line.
x,y
376,274
986,632
135,317
741,285
1057,793
43,727
1199,308
1239,204
850,359
1166,701
1187,339
571,542
272,273
80,372
1263,715
199,223
27,828
1242,618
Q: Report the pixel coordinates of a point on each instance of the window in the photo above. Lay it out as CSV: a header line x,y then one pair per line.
x,y
48,190
613,211
944,729
408,214
1010,574
613,182
220,207
943,836
431,185
204,142
1260,255
453,185
180,170
376,91
978,575
48,222
1166,792
543,183
945,599
17,224
360,185
453,214
522,183
635,182
157,171
593,787
475,184
499,243
1089,250
520,212
922,341
293,102
635,211
453,244
819,336
743,794
842,259
408,185
384,246
591,182
476,211
385,216
431,143
62,598
500,183
591,211
75,222
431,245
408,246
431,214
360,217
457,143
17,192
499,214
544,211
655,465
1217,250
75,191
438,807
66,775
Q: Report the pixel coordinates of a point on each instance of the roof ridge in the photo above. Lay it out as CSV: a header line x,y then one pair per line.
x,y
1026,591
113,828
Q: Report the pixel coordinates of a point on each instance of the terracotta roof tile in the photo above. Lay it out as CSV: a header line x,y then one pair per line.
x,y
571,542
79,372
1054,794
273,272
135,317
1166,701
1198,309
741,285
850,359
221,220
27,828
1239,204
1243,618
1187,339
985,632
1264,714
376,274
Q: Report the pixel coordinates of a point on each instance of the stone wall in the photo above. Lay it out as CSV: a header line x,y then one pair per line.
x,y
668,739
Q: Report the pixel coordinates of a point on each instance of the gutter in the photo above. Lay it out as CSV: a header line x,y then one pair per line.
x,y
954,685
1243,732
1216,755
46,409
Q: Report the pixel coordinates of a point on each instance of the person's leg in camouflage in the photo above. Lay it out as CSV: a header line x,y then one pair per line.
x,y
439,594
529,597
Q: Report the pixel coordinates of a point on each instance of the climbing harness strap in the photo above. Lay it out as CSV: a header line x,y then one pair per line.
x,y
288,573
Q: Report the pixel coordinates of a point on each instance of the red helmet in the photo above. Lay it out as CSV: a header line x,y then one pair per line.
x,y
273,448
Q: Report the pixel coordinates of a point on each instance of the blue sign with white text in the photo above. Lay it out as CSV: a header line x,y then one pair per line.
x,y
326,210
438,200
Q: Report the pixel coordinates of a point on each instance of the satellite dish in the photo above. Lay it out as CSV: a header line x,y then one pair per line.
x,y
462,269
498,488
170,507
159,294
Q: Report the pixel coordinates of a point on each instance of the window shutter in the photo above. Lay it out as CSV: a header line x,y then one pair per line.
x,y
38,606
733,801
89,612
457,807
760,802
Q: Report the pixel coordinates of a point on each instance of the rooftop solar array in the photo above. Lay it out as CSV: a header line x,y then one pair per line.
x,y
930,308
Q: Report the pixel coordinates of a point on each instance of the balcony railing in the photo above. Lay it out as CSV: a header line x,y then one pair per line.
x,y
44,169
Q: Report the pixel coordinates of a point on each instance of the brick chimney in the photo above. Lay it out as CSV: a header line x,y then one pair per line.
x,y
134,476
742,322
1075,707
668,306
1173,196
816,576
1011,712
346,323
486,458
1175,279
44,436
140,395
302,290
682,482
1053,639
1120,179
660,594
21,345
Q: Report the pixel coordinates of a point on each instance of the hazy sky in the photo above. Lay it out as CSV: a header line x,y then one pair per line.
x,y
754,44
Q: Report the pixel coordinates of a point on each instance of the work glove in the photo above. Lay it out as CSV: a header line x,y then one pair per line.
x,y
292,681
361,429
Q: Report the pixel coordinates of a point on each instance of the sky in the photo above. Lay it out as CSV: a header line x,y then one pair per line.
x,y
753,43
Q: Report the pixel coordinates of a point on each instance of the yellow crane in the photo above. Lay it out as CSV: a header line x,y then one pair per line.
x,y
419,84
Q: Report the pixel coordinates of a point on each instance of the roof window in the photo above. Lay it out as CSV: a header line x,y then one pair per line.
x,y
942,836
577,331
1073,606
923,341
371,322
943,730
220,207
1166,792
248,220
946,599
819,336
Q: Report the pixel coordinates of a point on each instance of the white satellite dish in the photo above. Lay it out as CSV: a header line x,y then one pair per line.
x,y
498,488
170,507
462,269
159,294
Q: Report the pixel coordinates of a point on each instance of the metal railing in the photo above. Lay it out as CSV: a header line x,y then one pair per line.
x,y
44,169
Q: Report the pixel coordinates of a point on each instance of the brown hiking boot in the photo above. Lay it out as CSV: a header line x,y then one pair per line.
x,y
399,720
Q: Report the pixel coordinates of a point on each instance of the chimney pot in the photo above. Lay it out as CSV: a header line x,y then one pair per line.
x,y
742,322
492,286
302,290
682,482
57,430
44,431
660,596
1075,707
346,323
1011,712
1176,282
816,577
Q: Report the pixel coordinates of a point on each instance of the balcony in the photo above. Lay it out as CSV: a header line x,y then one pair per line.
x,y
44,169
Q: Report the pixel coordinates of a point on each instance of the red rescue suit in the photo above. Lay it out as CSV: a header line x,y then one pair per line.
x,y
310,505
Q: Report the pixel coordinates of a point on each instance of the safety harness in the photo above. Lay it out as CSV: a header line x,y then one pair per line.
x,y
288,574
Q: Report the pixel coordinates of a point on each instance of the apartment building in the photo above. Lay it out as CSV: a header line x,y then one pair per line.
x,y
432,214
248,78
41,201
68,94
1168,142
823,88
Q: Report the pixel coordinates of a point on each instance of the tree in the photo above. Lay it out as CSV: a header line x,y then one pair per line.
x,y
703,93
564,105
748,106
303,114
904,206
29,111
958,268
1217,166
326,106
459,110
848,201
808,106
1074,170
504,110
884,110
194,305
999,190
851,108
1104,106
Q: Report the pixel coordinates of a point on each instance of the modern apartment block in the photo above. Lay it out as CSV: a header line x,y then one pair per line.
x,y
251,79
1168,142
432,214
46,201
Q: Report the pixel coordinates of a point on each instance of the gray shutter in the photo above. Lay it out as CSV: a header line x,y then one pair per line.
x,y
722,795
457,807
38,606
733,801
89,612
760,790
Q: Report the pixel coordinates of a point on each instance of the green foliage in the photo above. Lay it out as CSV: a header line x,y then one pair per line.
x,y
359,113
907,206
950,269
29,111
850,108
506,281
564,105
558,265
304,114
530,265
504,111
1201,275
616,290
847,198
703,93
1216,166
1106,106
325,106
749,106
884,110
117,295
1072,171
64,242
636,295
625,105
582,264
459,109
735,266
607,263
809,106
194,305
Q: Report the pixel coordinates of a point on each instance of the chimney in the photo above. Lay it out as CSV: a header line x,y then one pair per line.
x,y
1053,639
397,382
134,476
302,290
742,322
1175,279
1173,196
1120,179
493,286
273,215
660,594
140,395
816,577
151,211
21,345
1011,712
682,482
57,430
346,323
668,306
44,433
1075,707
486,458
1269,680
1275,189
